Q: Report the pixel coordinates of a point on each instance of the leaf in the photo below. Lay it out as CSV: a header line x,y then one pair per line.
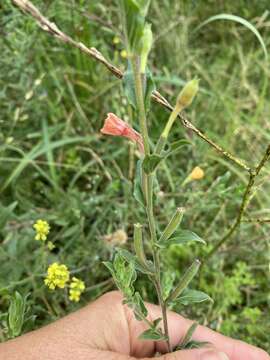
x,y
16,313
193,296
239,20
149,87
196,344
176,146
151,162
181,237
137,192
123,273
129,87
134,14
152,334
189,334
139,306
131,258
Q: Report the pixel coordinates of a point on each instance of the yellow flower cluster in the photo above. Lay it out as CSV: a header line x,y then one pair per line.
x,y
57,276
42,230
76,288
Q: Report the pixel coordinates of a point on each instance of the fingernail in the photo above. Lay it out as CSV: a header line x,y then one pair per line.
x,y
222,356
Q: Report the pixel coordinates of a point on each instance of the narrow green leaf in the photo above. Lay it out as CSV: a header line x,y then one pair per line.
x,y
137,192
241,21
192,296
176,146
181,237
152,334
189,334
131,258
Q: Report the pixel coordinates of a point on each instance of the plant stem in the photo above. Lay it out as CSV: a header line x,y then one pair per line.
x,y
147,184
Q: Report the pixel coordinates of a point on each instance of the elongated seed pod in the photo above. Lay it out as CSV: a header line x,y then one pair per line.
x,y
138,245
184,282
173,224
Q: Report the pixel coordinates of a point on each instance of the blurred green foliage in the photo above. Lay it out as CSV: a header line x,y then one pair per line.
x,y
56,166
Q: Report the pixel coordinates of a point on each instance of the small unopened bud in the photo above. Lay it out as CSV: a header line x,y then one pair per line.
x,y
146,45
197,173
173,224
187,95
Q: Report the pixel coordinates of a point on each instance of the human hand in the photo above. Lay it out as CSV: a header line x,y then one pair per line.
x,y
106,329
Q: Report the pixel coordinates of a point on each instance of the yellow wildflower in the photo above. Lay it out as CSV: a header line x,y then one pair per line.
x,y
57,276
51,246
42,229
124,54
77,287
197,173
116,40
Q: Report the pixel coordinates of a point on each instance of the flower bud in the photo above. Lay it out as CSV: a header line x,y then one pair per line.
x,y
187,95
173,224
146,45
197,173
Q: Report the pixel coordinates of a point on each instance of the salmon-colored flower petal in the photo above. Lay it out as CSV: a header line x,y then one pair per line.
x,y
115,126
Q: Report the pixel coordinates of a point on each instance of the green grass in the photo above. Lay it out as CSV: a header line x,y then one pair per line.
x,y
56,166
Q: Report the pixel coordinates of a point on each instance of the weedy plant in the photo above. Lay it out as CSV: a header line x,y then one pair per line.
x,y
139,86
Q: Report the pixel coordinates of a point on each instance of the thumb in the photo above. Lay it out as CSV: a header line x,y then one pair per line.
x,y
198,354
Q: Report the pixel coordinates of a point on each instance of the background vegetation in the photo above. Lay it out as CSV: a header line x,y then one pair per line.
x,y
56,166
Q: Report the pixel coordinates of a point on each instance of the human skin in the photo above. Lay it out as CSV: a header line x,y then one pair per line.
x,y
107,330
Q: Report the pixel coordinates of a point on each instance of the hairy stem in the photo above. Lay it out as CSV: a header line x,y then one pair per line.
x,y
147,180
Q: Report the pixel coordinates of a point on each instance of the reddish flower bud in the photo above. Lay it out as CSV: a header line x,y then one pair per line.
x,y
115,126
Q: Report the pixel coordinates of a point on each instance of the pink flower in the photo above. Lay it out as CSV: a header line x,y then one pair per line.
x,y
115,126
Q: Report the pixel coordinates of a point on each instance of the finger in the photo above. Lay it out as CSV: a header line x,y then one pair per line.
x,y
178,327
199,354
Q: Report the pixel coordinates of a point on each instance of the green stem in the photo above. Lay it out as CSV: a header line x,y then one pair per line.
x,y
165,133
147,184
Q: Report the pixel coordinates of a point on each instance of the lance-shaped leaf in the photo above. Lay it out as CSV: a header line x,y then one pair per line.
x,y
153,334
123,273
172,226
181,237
192,296
189,334
133,15
185,281
129,86
138,192
149,270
